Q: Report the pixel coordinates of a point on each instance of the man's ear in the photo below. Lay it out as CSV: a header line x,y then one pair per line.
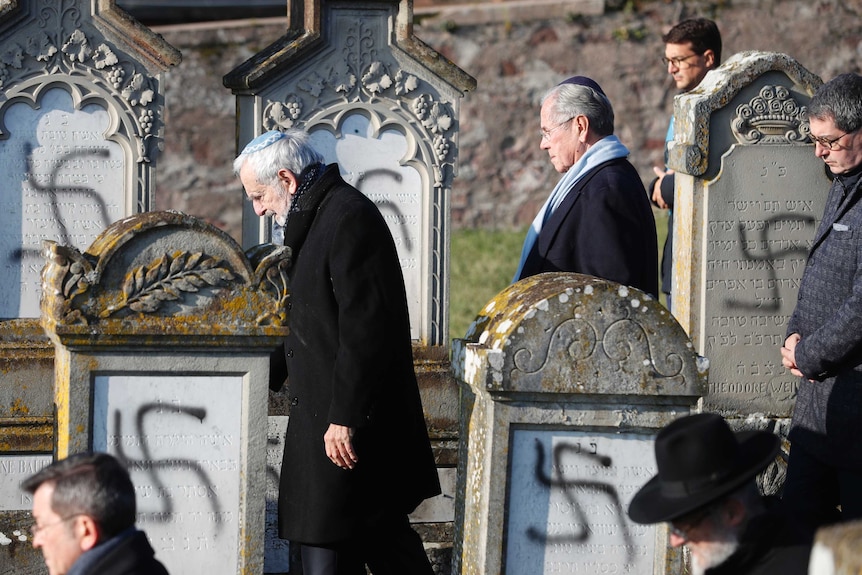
x,y
734,512
583,124
709,59
289,180
87,532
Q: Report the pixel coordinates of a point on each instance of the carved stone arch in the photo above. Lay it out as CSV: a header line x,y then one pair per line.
x,y
122,129
419,155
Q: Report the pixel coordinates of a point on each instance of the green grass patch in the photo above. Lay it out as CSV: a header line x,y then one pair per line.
x,y
483,263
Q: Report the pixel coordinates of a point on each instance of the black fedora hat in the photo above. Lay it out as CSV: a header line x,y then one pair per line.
x,y
699,460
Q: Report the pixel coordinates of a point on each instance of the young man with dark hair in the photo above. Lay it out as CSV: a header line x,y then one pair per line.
x,y
692,48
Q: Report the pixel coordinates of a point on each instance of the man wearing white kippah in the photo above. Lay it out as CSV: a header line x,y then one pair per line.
x,y
357,458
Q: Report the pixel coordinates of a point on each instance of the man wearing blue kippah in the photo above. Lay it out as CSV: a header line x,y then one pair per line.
x,y
597,220
357,458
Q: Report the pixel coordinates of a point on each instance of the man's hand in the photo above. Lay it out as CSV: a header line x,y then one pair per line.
x,y
338,441
656,189
788,354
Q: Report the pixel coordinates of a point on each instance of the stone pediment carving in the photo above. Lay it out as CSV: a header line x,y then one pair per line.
x,y
693,152
563,333
772,117
98,53
167,274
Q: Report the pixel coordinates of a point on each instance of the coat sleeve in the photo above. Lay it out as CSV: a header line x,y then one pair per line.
x,y
836,345
369,292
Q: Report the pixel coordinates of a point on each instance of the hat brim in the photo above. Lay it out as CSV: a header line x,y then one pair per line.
x,y
649,505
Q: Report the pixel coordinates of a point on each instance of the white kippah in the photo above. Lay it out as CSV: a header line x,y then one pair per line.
x,y
263,141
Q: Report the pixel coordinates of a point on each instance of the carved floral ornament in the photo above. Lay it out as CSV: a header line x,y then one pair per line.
x,y
772,117
74,295
361,78
76,54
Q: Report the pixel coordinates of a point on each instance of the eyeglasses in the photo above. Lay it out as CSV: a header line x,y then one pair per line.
x,y
679,62
546,134
37,529
682,527
828,143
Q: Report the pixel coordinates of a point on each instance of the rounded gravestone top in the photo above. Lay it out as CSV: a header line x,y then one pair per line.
x,y
570,333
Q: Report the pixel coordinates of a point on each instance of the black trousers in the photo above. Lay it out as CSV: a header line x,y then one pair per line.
x,y
389,546
814,491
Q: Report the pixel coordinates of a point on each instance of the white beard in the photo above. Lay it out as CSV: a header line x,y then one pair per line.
x,y
712,556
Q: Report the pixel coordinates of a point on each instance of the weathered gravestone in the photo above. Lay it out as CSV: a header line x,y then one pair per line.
x,y
384,106
565,380
749,195
80,130
163,332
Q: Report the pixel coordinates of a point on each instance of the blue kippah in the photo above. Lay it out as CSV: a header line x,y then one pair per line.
x,y
263,141
584,81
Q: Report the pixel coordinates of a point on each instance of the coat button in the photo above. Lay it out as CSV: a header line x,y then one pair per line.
x,y
290,353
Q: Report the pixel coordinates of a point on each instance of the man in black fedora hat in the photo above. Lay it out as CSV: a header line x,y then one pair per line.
x,y
706,490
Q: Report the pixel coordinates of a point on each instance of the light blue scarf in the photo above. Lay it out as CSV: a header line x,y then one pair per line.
x,y
606,149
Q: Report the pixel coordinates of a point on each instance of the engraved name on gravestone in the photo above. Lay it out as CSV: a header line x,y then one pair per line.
x,y
567,503
181,438
64,182
372,165
13,470
762,219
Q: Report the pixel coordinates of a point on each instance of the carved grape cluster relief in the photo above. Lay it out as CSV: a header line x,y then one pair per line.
x,y
362,77
70,50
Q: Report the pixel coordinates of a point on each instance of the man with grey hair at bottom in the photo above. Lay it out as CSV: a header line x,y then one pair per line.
x,y
705,488
824,335
357,458
84,512
597,220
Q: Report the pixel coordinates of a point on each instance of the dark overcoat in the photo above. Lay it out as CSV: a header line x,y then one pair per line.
x,y
604,228
827,417
131,554
349,362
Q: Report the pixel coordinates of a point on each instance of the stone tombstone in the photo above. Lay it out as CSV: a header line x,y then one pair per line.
x,y
80,130
163,331
81,110
565,380
381,104
749,196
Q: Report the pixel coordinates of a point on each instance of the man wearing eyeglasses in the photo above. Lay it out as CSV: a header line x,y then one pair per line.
x,y
692,48
84,513
824,336
597,220
706,490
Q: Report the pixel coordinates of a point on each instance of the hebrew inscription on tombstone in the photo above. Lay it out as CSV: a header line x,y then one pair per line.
x,y
80,131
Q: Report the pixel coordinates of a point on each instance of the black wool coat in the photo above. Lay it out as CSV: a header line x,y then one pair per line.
x,y
131,555
603,228
350,362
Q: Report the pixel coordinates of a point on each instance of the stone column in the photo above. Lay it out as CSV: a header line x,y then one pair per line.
x,y
565,379
163,332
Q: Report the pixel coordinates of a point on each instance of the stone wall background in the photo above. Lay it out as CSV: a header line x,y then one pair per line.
x,y
503,176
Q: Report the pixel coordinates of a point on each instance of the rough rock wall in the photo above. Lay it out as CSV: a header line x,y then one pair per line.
x,y
503,176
